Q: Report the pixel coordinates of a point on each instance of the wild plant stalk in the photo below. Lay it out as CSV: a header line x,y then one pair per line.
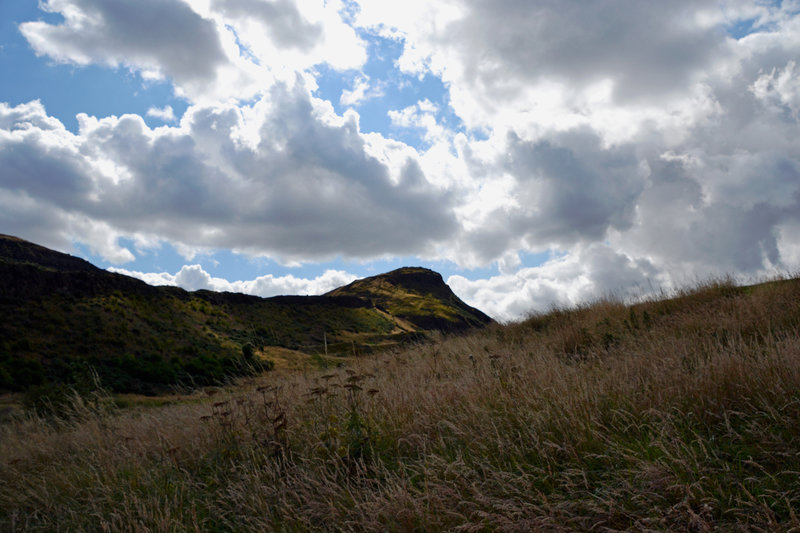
x,y
680,414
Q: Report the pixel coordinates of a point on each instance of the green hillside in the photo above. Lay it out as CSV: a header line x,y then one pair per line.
x,y
60,314
680,414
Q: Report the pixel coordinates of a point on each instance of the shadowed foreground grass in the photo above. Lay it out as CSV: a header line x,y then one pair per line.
x,y
682,414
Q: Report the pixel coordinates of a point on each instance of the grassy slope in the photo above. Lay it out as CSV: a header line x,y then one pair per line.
x,y
60,312
677,415
118,332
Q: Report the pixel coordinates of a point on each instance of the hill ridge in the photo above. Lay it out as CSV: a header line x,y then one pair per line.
x,y
62,312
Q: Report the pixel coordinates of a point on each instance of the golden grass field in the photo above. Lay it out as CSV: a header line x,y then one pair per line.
x,y
680,414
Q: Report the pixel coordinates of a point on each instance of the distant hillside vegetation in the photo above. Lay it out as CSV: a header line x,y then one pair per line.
x,y
61,315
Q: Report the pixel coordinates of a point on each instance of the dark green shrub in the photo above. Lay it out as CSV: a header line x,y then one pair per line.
x,y
248,351
82,394
6,381
51,399
26,373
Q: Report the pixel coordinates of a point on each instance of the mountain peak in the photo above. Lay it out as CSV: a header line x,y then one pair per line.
x,y
419,296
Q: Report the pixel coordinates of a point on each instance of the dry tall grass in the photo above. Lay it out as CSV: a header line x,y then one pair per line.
x,y
681,414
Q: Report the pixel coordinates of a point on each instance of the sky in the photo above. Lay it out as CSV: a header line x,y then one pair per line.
x,y
536,153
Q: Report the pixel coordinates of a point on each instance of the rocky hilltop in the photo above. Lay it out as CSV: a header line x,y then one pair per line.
x,y
418,296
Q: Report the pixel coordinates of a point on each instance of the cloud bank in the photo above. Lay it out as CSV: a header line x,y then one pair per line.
x,y
283,177
193,278
639,143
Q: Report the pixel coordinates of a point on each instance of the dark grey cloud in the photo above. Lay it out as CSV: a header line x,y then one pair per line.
x,y
35,220
711,186
719,212
307,190
568,189
223,50
719,201
723,200
646,48
287,27
571,188
162,35
55,174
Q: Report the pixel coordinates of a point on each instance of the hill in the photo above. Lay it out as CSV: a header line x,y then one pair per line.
x,y
681,414
417,296
61,313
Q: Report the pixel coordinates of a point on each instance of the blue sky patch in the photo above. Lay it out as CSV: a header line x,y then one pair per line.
x,y
66,89
397,91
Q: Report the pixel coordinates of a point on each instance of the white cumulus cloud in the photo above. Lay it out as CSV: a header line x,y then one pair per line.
x,y
362,91
278,178
194,277
165,114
